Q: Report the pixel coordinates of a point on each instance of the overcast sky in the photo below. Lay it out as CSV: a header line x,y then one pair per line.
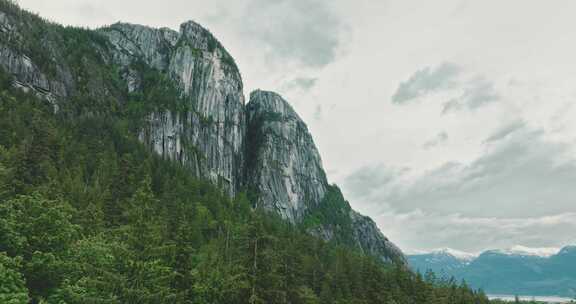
x,y
451,123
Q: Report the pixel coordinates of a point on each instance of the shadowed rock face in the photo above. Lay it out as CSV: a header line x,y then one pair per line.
x,y
263,146
284,169
284,166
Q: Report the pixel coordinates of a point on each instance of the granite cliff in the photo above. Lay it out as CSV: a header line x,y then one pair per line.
x,y
284,166
208,139
284,169
189,93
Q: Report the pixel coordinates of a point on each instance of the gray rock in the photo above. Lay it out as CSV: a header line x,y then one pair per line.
x,y
210,139
284,166
58,83
28,76
371,240
5,23
285,171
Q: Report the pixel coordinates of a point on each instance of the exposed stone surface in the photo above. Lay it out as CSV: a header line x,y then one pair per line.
x,y
285,170
210,139
32,50
27,74
134,41
284,166
371,240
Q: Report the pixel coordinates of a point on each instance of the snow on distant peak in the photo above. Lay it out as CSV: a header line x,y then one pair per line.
x,y
461,255
529,251
458,254
515,250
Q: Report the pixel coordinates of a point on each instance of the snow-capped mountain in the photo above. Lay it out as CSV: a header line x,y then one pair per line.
x,y
517,270
529,251
444,262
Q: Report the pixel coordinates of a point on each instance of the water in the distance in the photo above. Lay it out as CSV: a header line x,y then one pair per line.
x,y
530,298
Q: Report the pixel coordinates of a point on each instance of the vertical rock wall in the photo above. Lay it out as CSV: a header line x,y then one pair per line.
x,y
209,138
284,166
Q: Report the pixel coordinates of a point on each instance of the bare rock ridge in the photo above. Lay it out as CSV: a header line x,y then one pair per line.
x,y
263,147
285,170
371,240
284,166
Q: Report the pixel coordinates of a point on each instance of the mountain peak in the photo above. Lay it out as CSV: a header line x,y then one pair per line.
x,y
462,255
271,103
199,35
520,250
285,170
570,249
285,165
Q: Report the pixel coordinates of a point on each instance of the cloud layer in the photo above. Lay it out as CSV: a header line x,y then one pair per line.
x,y
519,191
306,31
521,174
476,93
430,231
465,91
425,81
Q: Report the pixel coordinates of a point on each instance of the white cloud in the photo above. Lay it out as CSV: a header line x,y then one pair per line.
x,y
465,90
476,93
300,83
439,139
307,31
427,80
523,174
519,191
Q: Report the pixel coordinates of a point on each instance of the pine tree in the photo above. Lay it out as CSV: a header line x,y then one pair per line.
x,y
151,277
12,285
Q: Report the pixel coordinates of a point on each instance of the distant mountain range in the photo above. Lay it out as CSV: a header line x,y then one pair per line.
x,y
521,270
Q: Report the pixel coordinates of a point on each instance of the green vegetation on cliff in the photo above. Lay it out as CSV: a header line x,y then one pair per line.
x,y
89,215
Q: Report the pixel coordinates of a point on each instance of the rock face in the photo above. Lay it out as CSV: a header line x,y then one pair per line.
x,y
264,147
27,74
285,171
210,139
371,240
284,166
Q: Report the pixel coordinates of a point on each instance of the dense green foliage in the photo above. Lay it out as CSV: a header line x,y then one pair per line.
x,y
88,215
333,212
12,285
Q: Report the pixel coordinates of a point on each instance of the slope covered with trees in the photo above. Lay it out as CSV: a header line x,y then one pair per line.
x,y
89,215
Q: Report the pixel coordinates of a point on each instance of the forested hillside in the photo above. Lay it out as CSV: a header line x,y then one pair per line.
x,y
87,215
